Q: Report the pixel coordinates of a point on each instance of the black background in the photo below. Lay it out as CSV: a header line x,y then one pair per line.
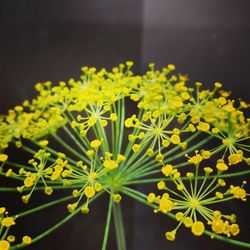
x,y
51,40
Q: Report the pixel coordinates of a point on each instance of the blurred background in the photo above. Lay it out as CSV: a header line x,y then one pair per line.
x,y
51,40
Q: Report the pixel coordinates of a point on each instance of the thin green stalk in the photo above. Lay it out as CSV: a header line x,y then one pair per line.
x,y
39,188
119,228
106,232
18,165
227,240
66,146
83,139
121,124
74,139
36,209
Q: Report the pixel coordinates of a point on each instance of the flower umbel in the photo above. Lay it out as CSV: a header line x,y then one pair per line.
x,y
82,136
191,199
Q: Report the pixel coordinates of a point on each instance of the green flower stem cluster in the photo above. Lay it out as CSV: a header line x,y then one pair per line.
x,y
107,131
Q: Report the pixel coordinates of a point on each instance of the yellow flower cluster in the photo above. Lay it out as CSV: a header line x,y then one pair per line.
x,y
81,135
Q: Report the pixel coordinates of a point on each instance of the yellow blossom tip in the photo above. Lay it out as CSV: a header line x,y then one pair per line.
x,y
26,240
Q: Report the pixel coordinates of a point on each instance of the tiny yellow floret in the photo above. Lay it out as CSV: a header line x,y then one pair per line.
x,y
203,126
110,164
11,238
95,144
238,192
48,190
198,228
235,159
27,240
170,235
221,166
117,198
136,148
28,181
4,245
8,222
2,210
3,157
151,197
175,139
234,229
43,143
89,191
113,117
167,170
161,185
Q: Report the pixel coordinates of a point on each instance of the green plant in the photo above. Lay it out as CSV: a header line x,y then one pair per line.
x,y
79,136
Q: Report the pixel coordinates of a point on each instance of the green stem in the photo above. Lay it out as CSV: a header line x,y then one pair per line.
x,y
119,228
39,188
33,210
106,232
66,146
121,124
231,241
13,164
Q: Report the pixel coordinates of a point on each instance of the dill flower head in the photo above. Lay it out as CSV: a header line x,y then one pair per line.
x,y
109,130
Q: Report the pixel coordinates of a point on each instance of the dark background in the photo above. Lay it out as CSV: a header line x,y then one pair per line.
x,y
51,40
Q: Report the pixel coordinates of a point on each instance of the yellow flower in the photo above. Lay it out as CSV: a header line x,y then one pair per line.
x,y
203,126
27,240
165,205
221,166
198,228
113,117
234,229
4,245
96,144
235,158
238,192
151,197
167,170
48,190
195,159
89,191
2,210
136,148
110,164
28,182
161,185
170,235
43,143
3,157
8,222
117,198
175,139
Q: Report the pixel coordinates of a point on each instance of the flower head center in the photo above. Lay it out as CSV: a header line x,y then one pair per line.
x,y
228,141
158,131
194,202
